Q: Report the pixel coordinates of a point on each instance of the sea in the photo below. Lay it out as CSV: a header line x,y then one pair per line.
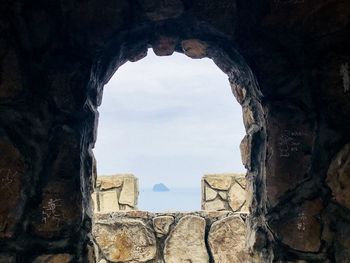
x,y
174,200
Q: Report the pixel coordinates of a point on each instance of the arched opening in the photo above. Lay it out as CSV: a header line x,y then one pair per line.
x,y
245,89
169,120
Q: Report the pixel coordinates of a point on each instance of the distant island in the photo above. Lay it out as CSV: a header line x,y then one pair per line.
x,y
160,188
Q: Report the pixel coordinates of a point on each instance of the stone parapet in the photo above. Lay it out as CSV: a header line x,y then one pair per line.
x,y
224,192
136,236
115,193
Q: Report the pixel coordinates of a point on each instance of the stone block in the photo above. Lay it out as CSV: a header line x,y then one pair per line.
x,y
109,182
290,143
236,197
164,46
227,240
215,205
125,240
209,193
302,230
194,48
338,176
60,210
186,242
218,181
129,193
108,201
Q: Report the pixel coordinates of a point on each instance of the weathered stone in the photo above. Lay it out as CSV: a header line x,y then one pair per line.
x,y
227,240
248,117
128,195
186,242
219,181
95,206
157,10
12,170
239,92
290,142
210,194
109,182
194,48
338,177
215,205
246,149
108,201
125,240
164,46
302,231
57,258
161,225
60,210
10,76
236,197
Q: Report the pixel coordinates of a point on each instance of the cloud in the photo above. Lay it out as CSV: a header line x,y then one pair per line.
x,y
169,119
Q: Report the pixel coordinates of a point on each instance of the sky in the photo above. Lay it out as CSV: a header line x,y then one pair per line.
x,y
169,120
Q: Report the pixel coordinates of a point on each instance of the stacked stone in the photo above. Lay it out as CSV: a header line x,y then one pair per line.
x,y
115,193
224,192
136,236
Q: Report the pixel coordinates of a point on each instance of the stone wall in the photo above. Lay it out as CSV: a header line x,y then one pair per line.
x,y
198,237
216,234
224,192
115,193
287,63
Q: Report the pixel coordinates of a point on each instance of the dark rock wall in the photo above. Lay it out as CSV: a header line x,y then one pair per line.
x,y
288,65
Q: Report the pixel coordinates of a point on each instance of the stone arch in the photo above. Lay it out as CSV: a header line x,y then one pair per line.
x,y
198,43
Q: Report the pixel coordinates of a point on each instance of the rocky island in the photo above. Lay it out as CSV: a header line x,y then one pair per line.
x,y
160,188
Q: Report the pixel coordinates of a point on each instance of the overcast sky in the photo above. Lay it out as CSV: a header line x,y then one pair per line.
x,y
169,119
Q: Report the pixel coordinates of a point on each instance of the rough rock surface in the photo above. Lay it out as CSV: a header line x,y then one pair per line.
x,y
215,205
236,197
128,193
219,182
59,258
227,240
161,225
338,177
186,242
125,240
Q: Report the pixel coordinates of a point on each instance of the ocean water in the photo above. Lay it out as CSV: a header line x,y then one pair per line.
x,y
175,200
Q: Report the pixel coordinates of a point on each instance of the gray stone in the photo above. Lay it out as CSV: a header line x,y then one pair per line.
x,y
227,240
124,240
186,242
